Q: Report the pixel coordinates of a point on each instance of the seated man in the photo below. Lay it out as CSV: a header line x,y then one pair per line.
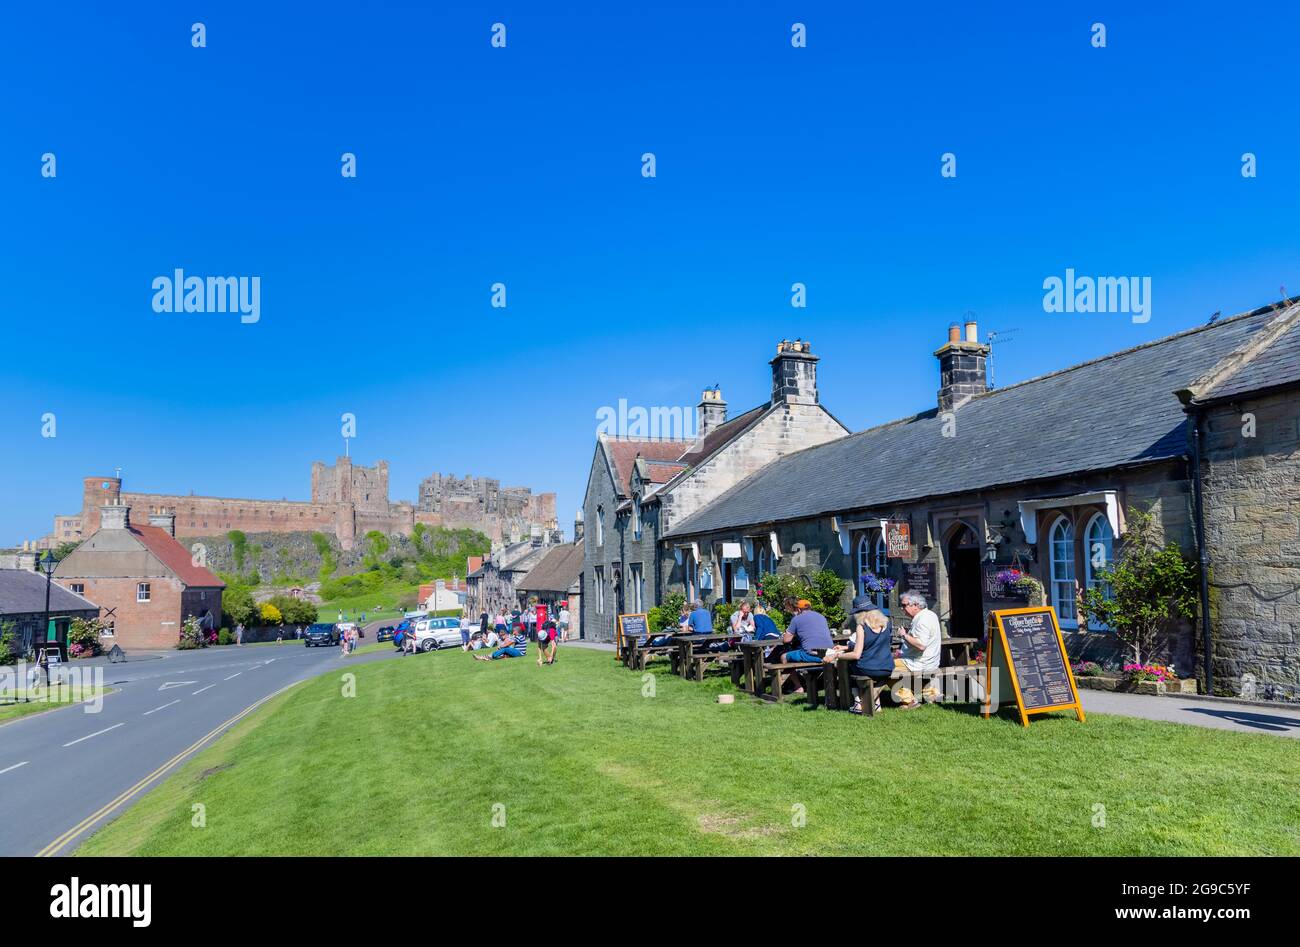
x,y
683,625
512,646
808,636
921,645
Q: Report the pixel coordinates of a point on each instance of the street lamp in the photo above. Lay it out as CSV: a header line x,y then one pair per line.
x,y
48,564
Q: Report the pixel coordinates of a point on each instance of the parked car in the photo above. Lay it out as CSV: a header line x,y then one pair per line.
x,y
387,633
434,633
322,634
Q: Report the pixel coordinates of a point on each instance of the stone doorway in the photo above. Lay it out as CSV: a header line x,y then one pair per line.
x,y
965,591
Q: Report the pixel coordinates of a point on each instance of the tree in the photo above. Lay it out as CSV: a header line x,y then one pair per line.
x,y
271,615
1148,586
237,603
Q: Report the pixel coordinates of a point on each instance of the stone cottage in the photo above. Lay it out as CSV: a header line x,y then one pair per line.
x,y
1040,475
638,489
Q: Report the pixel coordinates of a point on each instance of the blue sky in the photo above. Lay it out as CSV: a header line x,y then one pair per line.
x,y
522,165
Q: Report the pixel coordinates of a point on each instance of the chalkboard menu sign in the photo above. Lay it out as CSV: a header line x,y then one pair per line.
x,y
919,577
630,626
1026,648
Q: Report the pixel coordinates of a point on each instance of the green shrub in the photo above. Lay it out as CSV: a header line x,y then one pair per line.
x,y
225,636
238,606
8,644
722,616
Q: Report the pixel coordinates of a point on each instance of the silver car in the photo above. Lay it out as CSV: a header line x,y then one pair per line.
x,y
432,634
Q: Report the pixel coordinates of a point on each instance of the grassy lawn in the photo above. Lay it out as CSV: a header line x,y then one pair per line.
x,y
12,705
584,762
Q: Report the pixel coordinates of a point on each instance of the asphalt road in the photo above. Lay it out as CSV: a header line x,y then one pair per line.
x,y
67,771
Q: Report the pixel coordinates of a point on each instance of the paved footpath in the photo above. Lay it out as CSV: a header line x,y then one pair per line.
x,y
1281,720
71,769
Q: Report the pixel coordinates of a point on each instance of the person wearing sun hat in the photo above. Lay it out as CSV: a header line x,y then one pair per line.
x,y
870,650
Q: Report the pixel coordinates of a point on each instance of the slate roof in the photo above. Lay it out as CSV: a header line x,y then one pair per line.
x,y
1115,411
723,434
22,592
1272,365
557,571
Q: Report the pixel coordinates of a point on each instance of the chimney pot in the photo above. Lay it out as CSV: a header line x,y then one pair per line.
x,y
954,333
972,334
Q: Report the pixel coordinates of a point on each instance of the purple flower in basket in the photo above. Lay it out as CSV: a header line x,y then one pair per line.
x,y
1009,576
875,584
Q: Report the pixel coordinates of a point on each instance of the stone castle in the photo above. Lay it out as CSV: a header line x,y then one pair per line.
x,y
347,500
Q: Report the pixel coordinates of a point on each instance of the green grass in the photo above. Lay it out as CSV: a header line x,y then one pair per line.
x,y
584,762
12,705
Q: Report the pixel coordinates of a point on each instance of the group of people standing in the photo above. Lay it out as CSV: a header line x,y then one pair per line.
x,y
807,639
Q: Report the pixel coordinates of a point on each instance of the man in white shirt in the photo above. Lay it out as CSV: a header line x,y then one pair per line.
x,y
564,621
921,645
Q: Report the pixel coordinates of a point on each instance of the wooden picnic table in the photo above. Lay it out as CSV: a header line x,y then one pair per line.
x,y
686,648
959,643
755,670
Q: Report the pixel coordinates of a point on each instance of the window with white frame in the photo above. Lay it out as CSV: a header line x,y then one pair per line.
x,y
600,590
1099,548
79,588
864,563
600,526
762,561
1061,556
637,587
142,592
636,519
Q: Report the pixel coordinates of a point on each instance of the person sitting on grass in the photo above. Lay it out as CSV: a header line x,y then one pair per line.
x,y
546,638
870,647
513,646
808,636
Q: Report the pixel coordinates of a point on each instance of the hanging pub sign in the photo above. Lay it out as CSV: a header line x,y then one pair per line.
x,y
898,540
1025,648
997,590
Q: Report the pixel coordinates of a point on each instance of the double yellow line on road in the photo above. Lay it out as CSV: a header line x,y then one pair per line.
x,y
62,841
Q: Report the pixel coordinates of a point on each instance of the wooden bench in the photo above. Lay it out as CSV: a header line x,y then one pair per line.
x,y
872,687
700,659
810,671
639,654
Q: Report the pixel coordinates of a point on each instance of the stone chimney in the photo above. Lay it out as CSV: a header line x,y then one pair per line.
x,y
164,519
578,526
963,369
114,515
710,413
794,373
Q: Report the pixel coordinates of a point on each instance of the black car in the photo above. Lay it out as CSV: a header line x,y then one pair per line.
x,y
323,634
386,633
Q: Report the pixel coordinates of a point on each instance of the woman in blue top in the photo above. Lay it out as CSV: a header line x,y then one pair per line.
x,y
870,653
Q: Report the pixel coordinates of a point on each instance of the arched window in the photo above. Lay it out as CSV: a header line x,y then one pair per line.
x,y
1099,549
864,564
600,526
762,562
1061,551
